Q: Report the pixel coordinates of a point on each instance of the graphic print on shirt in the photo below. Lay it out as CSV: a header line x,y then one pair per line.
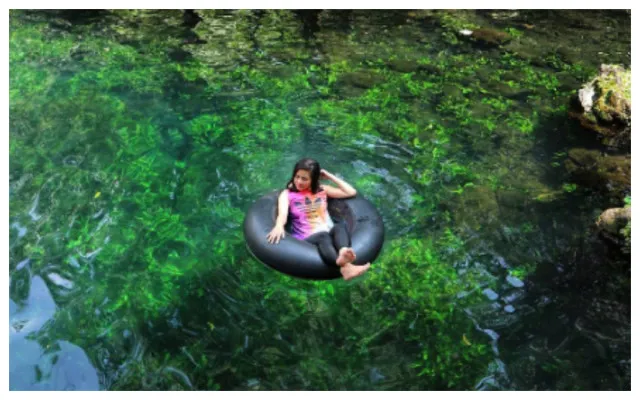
x,y
309,214
312,210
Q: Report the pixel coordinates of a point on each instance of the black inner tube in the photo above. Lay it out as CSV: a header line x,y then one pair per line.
x,y
301,259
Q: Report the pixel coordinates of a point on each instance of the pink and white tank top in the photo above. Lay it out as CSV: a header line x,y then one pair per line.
x,y
308,213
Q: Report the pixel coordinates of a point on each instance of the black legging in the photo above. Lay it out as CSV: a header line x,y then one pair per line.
x,y
330,242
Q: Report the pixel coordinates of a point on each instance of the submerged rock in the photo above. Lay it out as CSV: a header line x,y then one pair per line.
x,y
491,295
592,169
603,105
476,207
569,54
404,66
515,282
487,36
361,79
614,219
504,14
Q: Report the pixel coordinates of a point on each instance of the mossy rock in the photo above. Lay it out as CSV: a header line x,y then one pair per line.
x,y
603,105
614,225
613,88
614,219
626,233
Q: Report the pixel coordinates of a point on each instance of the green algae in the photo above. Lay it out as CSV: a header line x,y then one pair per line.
x,y
157,197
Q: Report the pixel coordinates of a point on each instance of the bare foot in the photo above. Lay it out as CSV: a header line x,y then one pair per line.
x,y
350,271
345,256
351,254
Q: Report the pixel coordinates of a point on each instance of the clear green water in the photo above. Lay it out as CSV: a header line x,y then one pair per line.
x,y
139,139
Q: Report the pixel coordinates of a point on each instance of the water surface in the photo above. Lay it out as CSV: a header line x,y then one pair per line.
x,y
139,139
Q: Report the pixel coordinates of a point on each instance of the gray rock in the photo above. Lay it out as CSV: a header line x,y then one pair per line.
x,y
491,295
515,282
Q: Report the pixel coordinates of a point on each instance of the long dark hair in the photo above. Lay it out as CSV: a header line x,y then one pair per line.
x,y
311,165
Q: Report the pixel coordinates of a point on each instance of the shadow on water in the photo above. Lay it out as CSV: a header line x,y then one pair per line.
x,y
577,302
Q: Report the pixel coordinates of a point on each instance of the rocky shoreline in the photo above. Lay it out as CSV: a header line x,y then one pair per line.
x,y
603,106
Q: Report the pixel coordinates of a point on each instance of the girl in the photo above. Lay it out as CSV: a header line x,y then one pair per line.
x,y
306,199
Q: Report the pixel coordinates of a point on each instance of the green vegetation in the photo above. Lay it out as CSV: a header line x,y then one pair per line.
x,y
139,166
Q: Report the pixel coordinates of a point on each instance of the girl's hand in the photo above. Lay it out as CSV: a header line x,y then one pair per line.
x,y
276,234
324,174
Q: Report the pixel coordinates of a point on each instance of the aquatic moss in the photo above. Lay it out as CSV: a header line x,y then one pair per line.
x,y
156,180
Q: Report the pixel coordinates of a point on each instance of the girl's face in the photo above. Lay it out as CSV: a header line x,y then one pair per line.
x,y
302,180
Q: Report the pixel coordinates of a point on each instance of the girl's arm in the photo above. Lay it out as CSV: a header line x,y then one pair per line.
x,y
283,208
277,232
343,190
